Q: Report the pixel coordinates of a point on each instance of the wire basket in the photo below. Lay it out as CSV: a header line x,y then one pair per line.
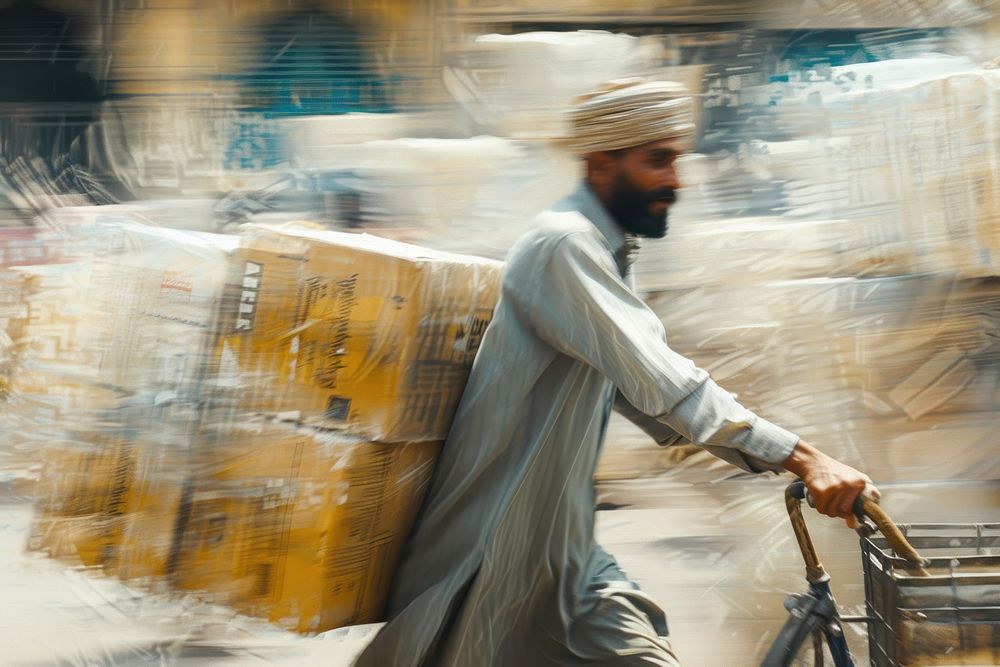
x,y
952,616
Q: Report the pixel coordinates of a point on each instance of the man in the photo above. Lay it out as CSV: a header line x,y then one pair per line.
x,y
502,568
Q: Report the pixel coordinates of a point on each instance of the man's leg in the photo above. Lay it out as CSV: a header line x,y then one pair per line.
x,y
618,633
621,626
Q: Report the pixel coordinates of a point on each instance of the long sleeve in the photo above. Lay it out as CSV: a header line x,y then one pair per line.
x,y
661,434
664,435
577,303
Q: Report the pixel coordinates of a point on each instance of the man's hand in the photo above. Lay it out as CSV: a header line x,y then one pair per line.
x,y
833,486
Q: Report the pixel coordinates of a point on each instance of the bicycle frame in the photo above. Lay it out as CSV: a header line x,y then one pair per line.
x,y
815,611
819,602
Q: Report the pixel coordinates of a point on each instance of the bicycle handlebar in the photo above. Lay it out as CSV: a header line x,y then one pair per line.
x,y
865,506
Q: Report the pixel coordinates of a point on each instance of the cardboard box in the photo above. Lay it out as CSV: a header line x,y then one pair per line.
x,y
152,517
915,150
158,331
347,330
301,526
101,342
82,492
140,316
353,331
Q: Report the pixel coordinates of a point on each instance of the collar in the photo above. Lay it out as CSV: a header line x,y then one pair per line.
x,y
622,244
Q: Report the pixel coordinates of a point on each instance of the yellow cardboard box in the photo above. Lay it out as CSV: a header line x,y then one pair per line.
x,y
353,331
82,491
152,515
302,526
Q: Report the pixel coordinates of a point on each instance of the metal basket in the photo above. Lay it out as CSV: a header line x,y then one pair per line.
x,y
952,616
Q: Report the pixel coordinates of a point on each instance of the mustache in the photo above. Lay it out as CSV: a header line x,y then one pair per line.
x,y
668,195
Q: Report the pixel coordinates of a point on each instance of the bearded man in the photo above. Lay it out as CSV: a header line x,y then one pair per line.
x,y
502,568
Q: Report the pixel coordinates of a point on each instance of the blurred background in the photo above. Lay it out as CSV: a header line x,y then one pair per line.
x,y
833,260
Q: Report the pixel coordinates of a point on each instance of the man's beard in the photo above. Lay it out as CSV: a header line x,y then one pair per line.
x,y
630,207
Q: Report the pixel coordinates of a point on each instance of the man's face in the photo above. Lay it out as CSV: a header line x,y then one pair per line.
x,y
644,185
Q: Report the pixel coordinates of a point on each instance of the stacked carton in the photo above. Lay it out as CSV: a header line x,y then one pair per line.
x,y
353,332
365,345
937,162
254,419
108,342
81,494
910,146
300,525
135,320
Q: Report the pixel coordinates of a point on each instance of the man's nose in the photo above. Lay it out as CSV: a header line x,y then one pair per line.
x,y
671,178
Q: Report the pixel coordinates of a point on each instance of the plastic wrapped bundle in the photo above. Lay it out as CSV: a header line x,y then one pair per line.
x,y
139,317
352,331
875,370
912,143
145,377
298,525
109,345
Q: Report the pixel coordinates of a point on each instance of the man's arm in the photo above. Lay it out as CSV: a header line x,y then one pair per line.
x,y
574,299
569,292
665,436
661,434
833,485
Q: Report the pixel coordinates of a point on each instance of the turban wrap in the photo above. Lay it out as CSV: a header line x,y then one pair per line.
x,y
629,112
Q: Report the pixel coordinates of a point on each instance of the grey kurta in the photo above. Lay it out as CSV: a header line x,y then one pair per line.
x,y
502,568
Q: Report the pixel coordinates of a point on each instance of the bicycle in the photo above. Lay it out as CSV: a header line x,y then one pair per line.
x,y
813,615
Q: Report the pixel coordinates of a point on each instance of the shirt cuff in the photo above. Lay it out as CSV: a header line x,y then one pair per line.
x,y
769,442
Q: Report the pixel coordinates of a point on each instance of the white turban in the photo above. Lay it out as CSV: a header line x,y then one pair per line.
x,y
630,112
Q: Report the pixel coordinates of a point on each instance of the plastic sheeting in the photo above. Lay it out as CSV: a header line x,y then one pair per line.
x,y
250,419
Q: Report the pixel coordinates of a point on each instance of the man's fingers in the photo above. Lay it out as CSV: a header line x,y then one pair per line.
x,y
827,502
835,487
838,504
821,501
847,502
872,491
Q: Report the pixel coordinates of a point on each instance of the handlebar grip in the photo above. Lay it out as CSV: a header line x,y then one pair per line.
x,y
893,536
866,505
